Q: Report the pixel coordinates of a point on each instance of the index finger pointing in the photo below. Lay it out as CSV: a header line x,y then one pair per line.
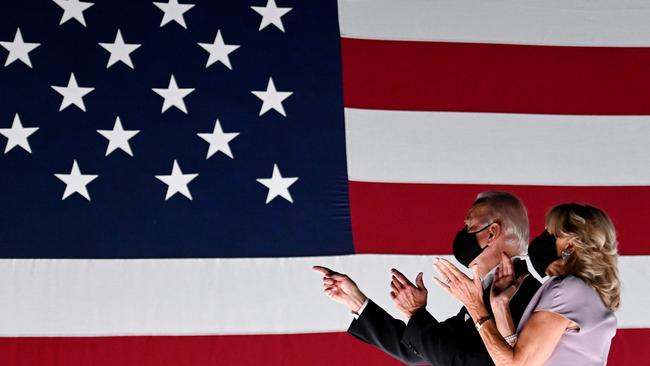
x,y
323,270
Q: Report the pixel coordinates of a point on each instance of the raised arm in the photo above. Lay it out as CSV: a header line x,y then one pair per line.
x,y
536,343
373,324
450,342
537,340
502,290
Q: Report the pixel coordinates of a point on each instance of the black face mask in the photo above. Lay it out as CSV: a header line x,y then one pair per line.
x,y
542,252
466,246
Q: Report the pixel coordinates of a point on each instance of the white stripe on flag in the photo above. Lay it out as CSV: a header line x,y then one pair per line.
x,y
495,148
54,297
557,22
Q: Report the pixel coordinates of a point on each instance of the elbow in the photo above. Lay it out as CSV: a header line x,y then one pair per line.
x,y
509,359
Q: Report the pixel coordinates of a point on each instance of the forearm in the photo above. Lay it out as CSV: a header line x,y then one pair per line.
x,y
449,342
378,328
503,319
500,351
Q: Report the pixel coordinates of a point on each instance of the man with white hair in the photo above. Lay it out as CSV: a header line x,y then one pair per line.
x,y
496,223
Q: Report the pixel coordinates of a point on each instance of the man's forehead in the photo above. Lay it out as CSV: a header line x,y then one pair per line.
x,y
476,212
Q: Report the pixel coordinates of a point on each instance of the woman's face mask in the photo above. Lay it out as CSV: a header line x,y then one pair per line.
x,y
542,252
466,246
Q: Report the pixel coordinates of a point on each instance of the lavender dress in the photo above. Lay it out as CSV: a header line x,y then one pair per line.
x,y
572,298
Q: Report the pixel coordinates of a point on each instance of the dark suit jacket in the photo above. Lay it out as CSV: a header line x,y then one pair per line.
x,y
425,340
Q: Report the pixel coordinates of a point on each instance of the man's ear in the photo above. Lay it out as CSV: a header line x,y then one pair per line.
x,y
494,231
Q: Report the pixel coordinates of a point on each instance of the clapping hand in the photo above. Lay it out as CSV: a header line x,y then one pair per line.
x,y
464,289
407,297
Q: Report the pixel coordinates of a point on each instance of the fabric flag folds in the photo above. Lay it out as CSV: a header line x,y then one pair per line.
x,y
173,169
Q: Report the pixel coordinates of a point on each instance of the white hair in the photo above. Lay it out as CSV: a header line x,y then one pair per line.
x,y
510,212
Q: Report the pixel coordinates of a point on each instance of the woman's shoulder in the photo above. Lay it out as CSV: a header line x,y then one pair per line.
x,y
567,292
573,298
569,282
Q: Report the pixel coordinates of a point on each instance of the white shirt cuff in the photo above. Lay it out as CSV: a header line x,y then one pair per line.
x,y
363,306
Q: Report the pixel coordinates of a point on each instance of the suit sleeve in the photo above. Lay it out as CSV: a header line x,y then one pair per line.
x,y
378,328
454,341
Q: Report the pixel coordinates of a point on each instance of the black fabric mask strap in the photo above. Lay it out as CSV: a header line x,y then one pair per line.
x,y
485,227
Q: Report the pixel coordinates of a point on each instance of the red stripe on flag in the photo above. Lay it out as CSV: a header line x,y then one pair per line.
x,y
473,77
423,218
297,349
629,346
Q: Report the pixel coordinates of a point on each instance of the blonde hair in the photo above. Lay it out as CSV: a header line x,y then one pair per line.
x,y
595,258
506,208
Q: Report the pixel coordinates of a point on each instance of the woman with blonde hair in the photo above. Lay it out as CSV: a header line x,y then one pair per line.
x,y
570,320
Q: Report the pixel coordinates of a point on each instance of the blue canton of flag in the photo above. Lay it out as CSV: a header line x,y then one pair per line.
x,y
139,129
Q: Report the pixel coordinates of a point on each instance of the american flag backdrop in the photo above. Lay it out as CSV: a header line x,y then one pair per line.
x,y
171,170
